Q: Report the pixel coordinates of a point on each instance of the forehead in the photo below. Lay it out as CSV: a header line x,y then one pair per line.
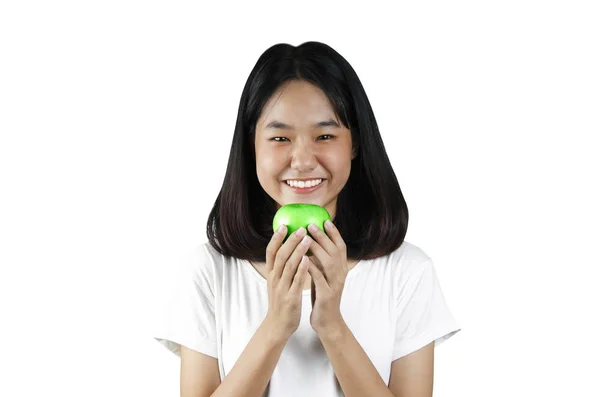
x,y
297,102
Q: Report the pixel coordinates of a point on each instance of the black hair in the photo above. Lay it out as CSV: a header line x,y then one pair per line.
x,y
371,213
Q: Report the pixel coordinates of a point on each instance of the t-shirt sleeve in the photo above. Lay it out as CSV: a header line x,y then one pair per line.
x,y
189,318
423,315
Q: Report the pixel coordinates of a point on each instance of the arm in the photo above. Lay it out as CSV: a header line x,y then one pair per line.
x,y
254,368
355,372
353,368
411,376
286,274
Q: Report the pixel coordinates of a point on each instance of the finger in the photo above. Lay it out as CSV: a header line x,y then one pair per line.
x,y
319,266
284,252
318,251
324,241
300,276
323,258
292,263
274,245
317,276
335,236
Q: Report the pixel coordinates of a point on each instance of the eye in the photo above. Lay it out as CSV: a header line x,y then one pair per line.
x,y
280,138
330,137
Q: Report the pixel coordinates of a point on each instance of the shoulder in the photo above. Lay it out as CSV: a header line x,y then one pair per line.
x,y
405,258
205,261
202,261
410,252
408,264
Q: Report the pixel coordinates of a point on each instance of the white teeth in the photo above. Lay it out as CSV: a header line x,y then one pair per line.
x,y
304,184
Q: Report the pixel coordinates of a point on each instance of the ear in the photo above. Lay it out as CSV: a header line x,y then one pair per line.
x,y
354,151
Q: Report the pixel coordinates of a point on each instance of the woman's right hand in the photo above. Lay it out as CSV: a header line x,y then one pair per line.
x,y
287,268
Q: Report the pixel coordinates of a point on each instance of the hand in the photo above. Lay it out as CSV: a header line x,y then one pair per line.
x,y
328,277
287,267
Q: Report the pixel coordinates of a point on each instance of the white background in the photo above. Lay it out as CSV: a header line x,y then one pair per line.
x,y
116,120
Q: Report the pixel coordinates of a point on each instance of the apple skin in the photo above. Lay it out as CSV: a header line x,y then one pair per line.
x,y
298,215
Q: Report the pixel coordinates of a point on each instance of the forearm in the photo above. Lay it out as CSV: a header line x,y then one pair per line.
x,y
253,369
353,369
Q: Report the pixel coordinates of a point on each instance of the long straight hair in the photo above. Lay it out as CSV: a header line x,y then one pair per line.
x,y
371,213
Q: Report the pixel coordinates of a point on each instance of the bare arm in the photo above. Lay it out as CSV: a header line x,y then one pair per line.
x,y
248,377
254,368
353,368
411,375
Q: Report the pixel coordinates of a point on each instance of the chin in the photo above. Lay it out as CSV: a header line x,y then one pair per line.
x,y
303,200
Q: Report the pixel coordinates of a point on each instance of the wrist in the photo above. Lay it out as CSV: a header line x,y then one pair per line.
x,y
275,331
334,331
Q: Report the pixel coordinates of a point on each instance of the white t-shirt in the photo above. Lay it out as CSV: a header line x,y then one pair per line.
x,y
393,305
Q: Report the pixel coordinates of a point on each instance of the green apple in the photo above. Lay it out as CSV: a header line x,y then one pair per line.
x,y
295,216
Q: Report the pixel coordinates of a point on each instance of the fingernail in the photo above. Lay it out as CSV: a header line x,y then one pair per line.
x,y
328,224
312,228
281,229
301,231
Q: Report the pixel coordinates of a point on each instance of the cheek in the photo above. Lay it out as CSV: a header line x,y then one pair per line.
x,y
268,166
338,163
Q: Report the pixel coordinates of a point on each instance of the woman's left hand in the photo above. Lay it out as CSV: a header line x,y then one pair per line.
x,y
328,279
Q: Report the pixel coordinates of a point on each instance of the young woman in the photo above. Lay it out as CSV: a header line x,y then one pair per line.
x,y
355,311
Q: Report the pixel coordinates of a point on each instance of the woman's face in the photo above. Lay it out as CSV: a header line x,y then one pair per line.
x,y
299,138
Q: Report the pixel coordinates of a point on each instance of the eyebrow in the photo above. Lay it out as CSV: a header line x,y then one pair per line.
x,y
279,125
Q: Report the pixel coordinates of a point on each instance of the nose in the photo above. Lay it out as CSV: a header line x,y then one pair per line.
x,y
303,157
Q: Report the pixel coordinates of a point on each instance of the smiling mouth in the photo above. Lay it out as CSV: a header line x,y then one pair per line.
x,y
304,183
301,187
